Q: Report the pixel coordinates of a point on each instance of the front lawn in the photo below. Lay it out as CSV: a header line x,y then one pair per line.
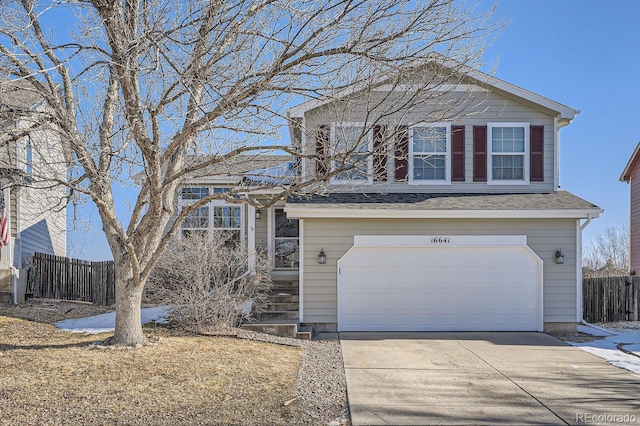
x,y
53,377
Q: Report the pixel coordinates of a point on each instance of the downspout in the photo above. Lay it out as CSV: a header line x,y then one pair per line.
x,y
251,233
579,229
556,137
587,222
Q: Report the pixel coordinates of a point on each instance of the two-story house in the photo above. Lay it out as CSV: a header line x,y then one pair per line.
x,y
455,224
34,207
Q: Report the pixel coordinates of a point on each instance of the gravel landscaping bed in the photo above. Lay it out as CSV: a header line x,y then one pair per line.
x,y
320,399
322,386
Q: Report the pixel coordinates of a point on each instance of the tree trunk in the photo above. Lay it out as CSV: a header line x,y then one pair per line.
x,y
128,331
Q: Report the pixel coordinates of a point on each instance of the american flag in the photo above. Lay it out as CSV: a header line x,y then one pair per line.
x,y
4,224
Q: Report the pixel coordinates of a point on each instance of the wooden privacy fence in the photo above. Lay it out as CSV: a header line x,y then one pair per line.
x,y
608,299
57,277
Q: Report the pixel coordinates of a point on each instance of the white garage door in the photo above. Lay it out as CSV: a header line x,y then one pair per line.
x,y
440,283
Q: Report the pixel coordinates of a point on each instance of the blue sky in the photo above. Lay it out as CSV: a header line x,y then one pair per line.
x,y
585,54
582,53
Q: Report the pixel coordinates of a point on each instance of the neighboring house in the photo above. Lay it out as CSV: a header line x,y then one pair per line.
x,y
608,270
454,225
631,175
36,217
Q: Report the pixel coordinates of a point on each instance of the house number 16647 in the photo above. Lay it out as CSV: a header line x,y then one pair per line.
x,y
441,240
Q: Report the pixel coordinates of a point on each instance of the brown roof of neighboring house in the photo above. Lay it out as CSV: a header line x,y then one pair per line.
x,y
561,200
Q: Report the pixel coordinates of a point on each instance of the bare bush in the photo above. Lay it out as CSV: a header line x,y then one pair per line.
x,y
211,283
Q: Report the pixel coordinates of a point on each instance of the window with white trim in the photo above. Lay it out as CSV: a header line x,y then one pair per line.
x,y
196,222
227,219
508,154
215,216
430,153
193,193
287,241
351,148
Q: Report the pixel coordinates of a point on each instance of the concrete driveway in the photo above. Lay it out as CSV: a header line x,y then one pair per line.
x,y
482,378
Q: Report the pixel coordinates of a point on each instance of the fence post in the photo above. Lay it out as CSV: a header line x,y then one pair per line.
x,y
635,281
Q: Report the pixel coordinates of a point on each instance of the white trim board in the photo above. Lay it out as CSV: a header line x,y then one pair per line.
x,y
338,213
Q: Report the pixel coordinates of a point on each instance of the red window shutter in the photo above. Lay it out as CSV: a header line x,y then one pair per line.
x,y
379,154
457,153
479,153
401,154
536,154
322,144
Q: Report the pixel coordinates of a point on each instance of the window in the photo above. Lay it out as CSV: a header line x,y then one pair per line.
x,y
193,193
286,241
508,153
351,149
196,222
429,153
215,216
227,219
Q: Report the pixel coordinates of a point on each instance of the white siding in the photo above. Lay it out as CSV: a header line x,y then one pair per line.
x,y
40,206
42,223
335,236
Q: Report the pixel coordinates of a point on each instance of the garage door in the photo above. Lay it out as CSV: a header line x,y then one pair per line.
x,y
440,283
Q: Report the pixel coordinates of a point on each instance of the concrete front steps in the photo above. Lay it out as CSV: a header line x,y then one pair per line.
x,y
283,327
281,315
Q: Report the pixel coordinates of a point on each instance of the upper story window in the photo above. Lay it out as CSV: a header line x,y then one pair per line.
x,y
196,193
351,152
508,152
430,153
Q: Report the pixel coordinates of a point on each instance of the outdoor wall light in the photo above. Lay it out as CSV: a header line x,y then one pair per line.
x,y
258,214
559,257
322,257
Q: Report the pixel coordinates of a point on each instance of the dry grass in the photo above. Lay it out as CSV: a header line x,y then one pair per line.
x,y
52,377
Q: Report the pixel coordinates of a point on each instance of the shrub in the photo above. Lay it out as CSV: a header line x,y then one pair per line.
x,y
209,282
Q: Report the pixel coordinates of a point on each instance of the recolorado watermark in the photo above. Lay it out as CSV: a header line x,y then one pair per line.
x,y
605,418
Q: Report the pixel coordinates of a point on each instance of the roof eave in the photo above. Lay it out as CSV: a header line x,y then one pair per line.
x,y
372,213
626,173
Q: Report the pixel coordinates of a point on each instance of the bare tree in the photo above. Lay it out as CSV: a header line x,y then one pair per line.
x,y
608,253
166,90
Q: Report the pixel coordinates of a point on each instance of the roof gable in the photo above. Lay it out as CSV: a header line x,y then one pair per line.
x,y
479,78
631,165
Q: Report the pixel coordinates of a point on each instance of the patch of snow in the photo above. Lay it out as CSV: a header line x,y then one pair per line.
x,y
105,323
245,307
594,330
607,348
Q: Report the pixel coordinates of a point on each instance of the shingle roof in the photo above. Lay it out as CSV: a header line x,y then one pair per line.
x,y
239,165
18,95
561,200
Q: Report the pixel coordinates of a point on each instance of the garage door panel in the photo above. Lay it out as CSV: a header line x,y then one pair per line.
x,y
435,288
